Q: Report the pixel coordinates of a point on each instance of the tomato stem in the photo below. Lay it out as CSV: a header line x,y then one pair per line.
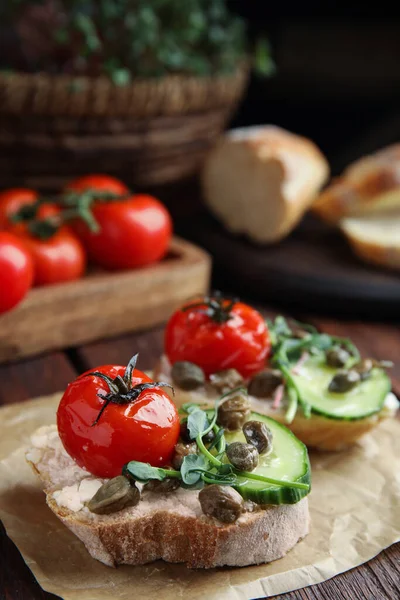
x,y
215,306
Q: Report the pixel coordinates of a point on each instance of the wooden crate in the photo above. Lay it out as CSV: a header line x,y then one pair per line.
x,y
104,304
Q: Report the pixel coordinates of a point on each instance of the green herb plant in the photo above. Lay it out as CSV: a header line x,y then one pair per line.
x,y
129,39
209,465
287,350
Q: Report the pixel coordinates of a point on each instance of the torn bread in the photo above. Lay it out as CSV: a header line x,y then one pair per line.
x,y
375,238
169,526
259,181
369,185
317,431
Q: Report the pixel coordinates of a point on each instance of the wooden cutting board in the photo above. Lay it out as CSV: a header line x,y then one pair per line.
x,y
313,269
104,304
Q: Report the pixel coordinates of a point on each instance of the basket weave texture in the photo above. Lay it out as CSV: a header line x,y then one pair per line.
x,y
64,95
151,132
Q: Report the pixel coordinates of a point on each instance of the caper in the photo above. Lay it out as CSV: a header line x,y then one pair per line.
x,y
258,434
187,375
364,368
264,384
234,412
344,381
243,457
114,495
162,487
337,357
184,434
223,381
182,450
222,502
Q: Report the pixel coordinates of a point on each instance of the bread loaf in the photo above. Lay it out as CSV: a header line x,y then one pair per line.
x,y
169,526
375,238
369,185
259,181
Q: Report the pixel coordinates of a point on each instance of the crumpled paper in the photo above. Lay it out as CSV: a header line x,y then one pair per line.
x,y
354,506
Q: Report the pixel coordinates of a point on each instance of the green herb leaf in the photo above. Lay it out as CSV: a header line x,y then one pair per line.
x,y
197,423
144,472
191,468
189,407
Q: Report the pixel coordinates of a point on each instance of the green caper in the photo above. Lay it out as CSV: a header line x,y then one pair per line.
x,y
234,412
344,381
364,368
180,451
221,502
258,434
243,457
264,384
337,357
223,381
187,375
114,495
162,487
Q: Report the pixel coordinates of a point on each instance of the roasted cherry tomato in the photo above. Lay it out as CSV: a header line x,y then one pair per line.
x,y
115,414
11,201
16,271
133,232
218,334
59,258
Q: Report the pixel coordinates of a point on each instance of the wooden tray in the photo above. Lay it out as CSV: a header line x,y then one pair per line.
x,y
104,304
313,269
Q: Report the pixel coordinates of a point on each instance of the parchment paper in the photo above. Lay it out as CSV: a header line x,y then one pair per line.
x,y
354,505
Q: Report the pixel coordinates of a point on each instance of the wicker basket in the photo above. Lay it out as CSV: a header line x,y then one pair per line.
x,y
150,132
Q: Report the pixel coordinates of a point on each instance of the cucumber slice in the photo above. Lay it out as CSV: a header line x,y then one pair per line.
x,y
288,460
365,399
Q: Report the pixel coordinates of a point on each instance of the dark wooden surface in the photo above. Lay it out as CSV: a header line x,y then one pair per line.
x,y
313,268
379,579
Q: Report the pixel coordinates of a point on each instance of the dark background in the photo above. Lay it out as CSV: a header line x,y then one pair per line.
x,y
338,74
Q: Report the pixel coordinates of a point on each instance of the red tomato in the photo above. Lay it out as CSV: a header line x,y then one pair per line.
x,y
133,233
59,258
12,200
230,335
101,183
16,271
145,429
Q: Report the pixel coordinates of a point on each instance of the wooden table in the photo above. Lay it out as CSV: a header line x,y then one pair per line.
x,y
379,579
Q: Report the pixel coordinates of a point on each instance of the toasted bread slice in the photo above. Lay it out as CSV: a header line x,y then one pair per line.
x,y
317,431
375,238
259,181
369,185
169,526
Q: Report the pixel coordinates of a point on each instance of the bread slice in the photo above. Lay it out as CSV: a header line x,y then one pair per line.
x,y
375,238
169,526
369,185
259,181
317,431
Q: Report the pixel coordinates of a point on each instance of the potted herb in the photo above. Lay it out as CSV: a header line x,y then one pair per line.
x,y
133,87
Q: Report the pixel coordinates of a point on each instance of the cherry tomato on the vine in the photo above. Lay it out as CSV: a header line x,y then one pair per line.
x,y
102,435
11,201
56,259
133,232
16,271
218,334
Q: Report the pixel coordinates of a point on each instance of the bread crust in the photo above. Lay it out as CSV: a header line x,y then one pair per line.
x,y
169,526
282,174
370,184
383,254
261,537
